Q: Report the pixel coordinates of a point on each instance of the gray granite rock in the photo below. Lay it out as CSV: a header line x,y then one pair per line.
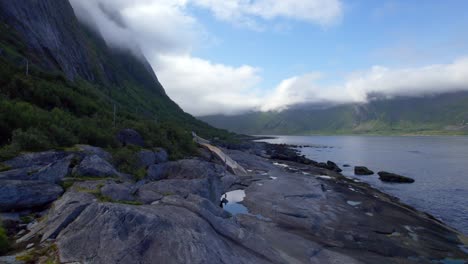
x,y
54,172
95,166
35,159
15,195
118,191
91,150
20,174
145,158
111,233
185,169
161,155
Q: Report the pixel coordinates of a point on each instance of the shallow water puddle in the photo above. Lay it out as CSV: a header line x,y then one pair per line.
x,y
273,178
325,177
234,206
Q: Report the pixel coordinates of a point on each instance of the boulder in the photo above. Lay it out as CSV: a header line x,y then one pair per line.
x,y
145,158
15,195
332,166
161,155
95,166
54,172
19,174
185,169
392,177
183,177
361,170
35,159
91,150
118,191
130,137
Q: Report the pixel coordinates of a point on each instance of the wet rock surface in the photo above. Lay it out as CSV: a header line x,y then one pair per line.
x,y
392,177
361,170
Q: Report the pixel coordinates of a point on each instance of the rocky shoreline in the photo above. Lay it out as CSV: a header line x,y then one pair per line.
x,y
81,209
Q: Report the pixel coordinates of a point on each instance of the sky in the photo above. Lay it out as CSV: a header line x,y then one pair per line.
x,y
233,56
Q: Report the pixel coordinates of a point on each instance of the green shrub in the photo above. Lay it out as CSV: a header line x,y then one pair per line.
x,y
126,160
32,139
4,242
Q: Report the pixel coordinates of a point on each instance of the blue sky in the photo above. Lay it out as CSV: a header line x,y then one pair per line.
x,y
232,56
392,33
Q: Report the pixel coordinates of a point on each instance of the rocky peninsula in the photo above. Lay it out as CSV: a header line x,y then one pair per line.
x,y
75,207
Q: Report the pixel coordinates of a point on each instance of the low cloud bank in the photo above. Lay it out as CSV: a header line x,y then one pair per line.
x,y
165,32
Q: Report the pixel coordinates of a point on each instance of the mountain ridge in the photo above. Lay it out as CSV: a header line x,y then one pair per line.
x,y
437,114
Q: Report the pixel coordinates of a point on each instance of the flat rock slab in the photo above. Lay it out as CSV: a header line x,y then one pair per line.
x,y
16,195
116,233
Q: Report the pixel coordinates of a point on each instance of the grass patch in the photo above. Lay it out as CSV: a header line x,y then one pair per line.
x,y
51,252
4,167
27,219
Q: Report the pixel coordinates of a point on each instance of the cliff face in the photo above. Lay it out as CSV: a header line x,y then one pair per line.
x,y
56,40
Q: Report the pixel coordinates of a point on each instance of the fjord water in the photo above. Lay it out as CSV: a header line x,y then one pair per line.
x,y
439,164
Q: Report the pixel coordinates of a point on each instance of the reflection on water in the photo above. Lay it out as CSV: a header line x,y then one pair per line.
x,y
234,198
234,206
439,164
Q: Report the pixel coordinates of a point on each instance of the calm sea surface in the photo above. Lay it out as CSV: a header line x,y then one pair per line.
x,y
439,164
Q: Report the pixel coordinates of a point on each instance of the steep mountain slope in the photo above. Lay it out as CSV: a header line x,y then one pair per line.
x,y
437,114
60,84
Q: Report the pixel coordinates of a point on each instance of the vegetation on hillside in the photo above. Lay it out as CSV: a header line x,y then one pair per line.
x,y
42,110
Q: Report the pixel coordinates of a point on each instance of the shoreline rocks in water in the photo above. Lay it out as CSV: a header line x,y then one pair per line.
x,y
361,170
392,177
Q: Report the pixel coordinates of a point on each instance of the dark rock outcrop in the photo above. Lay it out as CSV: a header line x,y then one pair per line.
x,y
361,170
15,195
130,137
333,167
94,166
392,177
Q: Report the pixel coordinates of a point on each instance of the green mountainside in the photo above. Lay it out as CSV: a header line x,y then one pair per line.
x,y
437,114
60,84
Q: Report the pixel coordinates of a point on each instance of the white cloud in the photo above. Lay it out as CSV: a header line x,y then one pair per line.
x,y
358,87
202,87
248,13
165,31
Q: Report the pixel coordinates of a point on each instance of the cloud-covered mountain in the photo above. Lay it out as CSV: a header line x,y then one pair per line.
x,y
445,113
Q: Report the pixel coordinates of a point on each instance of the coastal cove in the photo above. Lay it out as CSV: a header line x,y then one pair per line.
x,y
439,164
